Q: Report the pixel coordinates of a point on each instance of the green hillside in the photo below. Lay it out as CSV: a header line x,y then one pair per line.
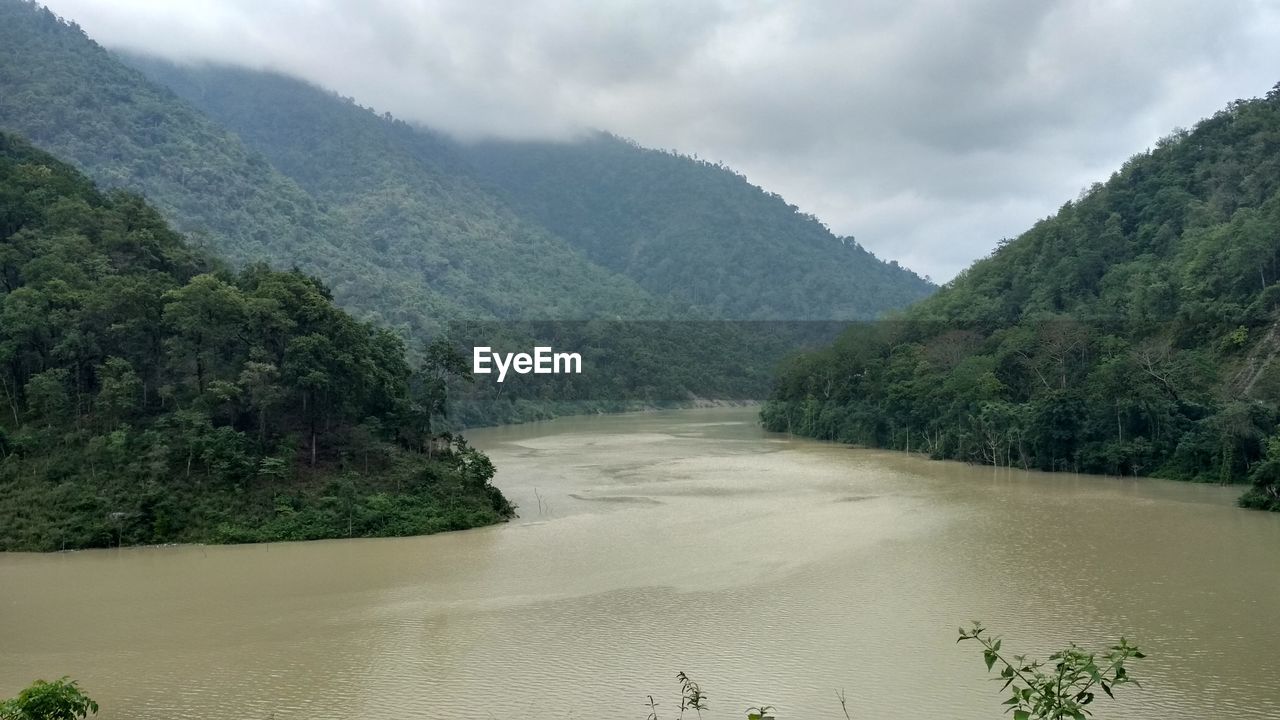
x,y
416,196
415,232
398,243
694,230
694,234
402,190
1134,332
150,395
71,97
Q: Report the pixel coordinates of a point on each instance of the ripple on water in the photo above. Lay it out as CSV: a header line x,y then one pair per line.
x,y
773,576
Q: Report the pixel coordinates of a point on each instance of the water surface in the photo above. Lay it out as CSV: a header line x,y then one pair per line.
x,y
772,570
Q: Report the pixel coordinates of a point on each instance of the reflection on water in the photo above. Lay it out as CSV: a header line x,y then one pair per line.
x,y
770,569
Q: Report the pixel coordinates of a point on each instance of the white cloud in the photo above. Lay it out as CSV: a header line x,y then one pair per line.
x,y
926,128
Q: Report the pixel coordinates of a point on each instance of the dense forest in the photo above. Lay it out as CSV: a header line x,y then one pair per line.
x,y
69,96
1134,332
412,192
401,190
151,395
416,232
696,236
398,243
410,227
694,230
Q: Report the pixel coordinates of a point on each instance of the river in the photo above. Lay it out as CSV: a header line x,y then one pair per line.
x,y
770,569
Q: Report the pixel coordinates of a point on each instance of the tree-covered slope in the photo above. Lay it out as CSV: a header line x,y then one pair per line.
x,y
398,241
151,396
693,230
71,97
414,193
1134,332
404,190
689,232
409,227
409,232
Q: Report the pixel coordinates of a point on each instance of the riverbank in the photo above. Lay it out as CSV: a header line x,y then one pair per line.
x,y
772,569
384,494
520,413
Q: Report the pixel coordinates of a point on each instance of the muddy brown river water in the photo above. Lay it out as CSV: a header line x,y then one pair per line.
x,y
773,570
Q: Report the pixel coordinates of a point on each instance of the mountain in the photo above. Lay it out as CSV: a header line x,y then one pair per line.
x,y
694,234
1134,332
375,245
417,232
693,230
71,97
403,190
151,396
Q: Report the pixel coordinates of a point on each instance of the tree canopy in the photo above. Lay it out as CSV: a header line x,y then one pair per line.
x,y
152,395
1134,332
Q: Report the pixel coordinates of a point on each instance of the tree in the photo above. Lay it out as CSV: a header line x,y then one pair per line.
x,y
205,316
58,700
1133,332
429,392
120,391
202,389
48,397
1265,493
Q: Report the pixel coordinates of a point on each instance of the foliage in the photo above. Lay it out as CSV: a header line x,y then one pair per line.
x,y
694,230
42,700
1062,689
403,190
1265,493
628,365
1134,332
152,396
691,695
71,97
1065,691
408,228
431,207
620,218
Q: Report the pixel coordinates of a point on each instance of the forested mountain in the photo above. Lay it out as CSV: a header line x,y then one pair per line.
x,y
692,233
150,395
1134,332
414,231
71,97
405,192
694,230
396,243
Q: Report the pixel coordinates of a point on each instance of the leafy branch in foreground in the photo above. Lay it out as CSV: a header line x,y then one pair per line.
x,y
691,695
1060,690
42,700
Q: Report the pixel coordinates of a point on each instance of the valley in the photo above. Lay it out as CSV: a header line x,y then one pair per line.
x,y
486,408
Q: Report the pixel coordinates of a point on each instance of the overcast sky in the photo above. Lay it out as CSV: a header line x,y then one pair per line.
x,y
928,129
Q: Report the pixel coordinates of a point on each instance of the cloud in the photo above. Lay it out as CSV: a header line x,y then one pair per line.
x,y
928,129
